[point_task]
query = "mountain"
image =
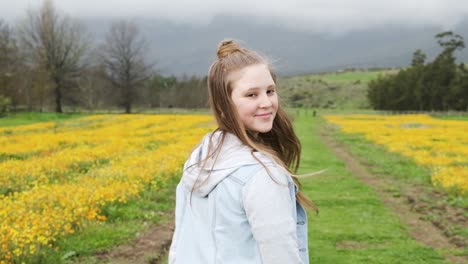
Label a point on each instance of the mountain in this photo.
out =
(188, 49)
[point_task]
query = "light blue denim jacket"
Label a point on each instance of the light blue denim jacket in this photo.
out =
(233, 210)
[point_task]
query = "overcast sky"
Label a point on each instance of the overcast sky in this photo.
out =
(310, 15)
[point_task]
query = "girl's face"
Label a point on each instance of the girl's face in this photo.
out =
(254, 96)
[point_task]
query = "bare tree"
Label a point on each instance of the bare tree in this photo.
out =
(56, 43)
(95, 88)
(8, 47)
(9, 61)
(8, 52)
(123, 57)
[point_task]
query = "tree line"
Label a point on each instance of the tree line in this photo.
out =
(47, 61)
(440, 85)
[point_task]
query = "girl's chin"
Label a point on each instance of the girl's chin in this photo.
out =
(257, 131)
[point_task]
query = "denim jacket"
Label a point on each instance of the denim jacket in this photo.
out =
(233, 210)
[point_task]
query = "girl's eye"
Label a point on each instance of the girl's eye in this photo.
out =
(270, 91)
(250, 95)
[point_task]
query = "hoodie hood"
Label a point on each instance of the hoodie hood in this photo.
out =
(232, 155)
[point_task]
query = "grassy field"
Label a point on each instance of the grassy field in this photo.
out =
(24, 118)
(340, 77)
(353, 226)
(453, 117)
(353, 76)
(445, 208)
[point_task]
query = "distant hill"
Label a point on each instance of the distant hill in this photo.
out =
(340, 90)
(189, 49)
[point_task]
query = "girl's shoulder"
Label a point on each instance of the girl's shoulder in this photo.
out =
(265, 169)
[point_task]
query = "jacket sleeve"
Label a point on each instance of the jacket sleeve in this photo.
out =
(269, 209)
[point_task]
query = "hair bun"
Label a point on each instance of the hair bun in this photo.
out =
(227, 47)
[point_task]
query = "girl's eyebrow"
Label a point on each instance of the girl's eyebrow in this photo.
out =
(252, 89)
(257, 88)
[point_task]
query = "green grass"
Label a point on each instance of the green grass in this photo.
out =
(25, 118)
(453, 117)
(404, 172)
(346, 76)
(398, 167)
(353, 225)
(352, 76)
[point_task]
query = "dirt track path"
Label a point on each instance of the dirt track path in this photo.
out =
(403, 206)
(149, 248)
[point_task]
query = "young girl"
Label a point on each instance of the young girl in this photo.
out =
(237, 201)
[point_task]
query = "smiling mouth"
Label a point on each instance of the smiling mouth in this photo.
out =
(266, 114)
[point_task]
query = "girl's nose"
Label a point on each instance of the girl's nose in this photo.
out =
(265, 101)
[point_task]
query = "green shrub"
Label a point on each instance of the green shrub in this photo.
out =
(4, 104)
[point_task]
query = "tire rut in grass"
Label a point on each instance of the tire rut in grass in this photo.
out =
(149, 248)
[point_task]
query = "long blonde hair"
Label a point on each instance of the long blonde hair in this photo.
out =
(281, 142)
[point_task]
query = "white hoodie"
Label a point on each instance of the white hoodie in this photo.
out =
(237, 212)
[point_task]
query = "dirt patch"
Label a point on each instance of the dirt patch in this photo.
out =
(411, 204)
(149, 248)
(431, 204)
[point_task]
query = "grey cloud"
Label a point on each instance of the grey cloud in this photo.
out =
(311, 15)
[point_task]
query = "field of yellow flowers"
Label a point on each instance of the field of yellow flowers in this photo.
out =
(55, 177)
(441, 145)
